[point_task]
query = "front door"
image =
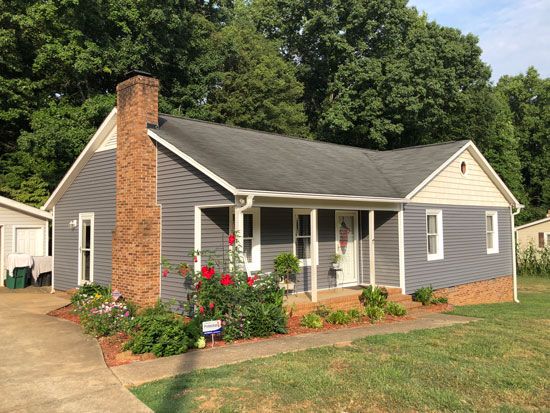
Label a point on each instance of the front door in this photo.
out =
(347, 247)
(86, 248)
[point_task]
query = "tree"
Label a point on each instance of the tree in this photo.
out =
(529, 99)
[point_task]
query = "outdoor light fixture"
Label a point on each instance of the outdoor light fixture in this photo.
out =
(73, 224)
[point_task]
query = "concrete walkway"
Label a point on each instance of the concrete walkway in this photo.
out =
(48, 365)
(150, 370)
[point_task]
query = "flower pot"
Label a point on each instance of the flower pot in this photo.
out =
(336, 266)
(287, 286)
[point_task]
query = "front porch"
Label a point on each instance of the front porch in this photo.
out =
(341, 299)
(366, 235)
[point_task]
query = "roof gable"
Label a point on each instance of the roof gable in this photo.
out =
(530, 224)
(27, 209)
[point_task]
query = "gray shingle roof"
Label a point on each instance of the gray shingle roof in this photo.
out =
(253, 160)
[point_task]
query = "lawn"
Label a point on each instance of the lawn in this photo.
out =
(501, 363)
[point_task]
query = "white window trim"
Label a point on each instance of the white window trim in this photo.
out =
(295, 213)
(439, 222)
(547, 239)
(494, 217)
(256, 263)
(81, 217)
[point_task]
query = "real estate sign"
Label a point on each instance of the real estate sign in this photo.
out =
(211, 327)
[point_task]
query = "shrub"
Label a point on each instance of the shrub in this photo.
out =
(440, 300)
(354, 314)
(395, 309)
(163, 333)
(89, 292)
(374, 313)
(534, 261)
(374, 296)
(338, 317)
(265, 319)
(106, 319)
(312, 320)
(286, 266)
(424, 295)
(322, 310)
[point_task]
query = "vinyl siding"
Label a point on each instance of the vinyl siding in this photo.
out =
(93, 190)
(465, 253)
(180, 187)
(386, 247)
(451, 187)
(10, 218)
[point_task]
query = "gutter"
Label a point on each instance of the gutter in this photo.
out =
(514, 263)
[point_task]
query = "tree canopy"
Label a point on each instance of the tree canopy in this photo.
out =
(375, 74)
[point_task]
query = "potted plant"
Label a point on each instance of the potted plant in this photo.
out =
(337, 262)
(287, 265)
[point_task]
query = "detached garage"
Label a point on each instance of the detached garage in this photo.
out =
(23, 230)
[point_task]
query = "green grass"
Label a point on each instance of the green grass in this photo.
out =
(501, 363)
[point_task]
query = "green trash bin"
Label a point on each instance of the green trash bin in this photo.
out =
(19, 279)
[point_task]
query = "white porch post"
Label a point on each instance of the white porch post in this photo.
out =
(314, 254)
(372, 269)
(198, 232)
(239, 226)
(401, 237)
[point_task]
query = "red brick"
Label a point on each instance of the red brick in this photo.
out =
(496, 290)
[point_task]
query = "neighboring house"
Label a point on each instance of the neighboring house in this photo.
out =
(23, 229)
(149, 186)
(536, 233)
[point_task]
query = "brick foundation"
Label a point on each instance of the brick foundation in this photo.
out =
(136, 238)
(496, 290)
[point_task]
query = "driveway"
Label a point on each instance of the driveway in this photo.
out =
(49, 365)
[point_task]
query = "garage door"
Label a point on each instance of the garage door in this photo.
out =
(29, 241)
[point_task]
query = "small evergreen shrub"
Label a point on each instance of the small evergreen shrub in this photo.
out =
(312, 320)
(354, 314)
(322, 310)
(338, 317)
(424, 295)
(374, 313)
(374, 296)
(395, 309)
(440, 300)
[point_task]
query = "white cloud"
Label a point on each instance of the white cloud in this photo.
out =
(513, 34)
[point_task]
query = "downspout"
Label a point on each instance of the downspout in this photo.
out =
(514, 263)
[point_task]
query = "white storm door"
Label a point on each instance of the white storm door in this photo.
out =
(347, 245)
(85, 248)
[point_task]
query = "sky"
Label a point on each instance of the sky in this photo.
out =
(514, 34)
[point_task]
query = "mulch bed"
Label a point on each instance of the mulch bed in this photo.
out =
(114, 354)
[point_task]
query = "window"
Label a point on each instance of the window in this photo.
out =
(491, 232)
(86, 248)
(302, 236)
(251, 238)
(434, 234)
(547, 239)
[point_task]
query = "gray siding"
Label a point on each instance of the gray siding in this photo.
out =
(465, 254)
(92, 191)
(180, 187)
(276, 235)
(386, 248)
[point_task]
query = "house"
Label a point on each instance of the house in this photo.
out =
(150, 185)
(536, 233)
(23, 229)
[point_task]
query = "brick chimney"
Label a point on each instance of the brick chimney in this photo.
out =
(136, 238)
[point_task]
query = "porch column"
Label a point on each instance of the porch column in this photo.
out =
(401, 239)
(372, 269)
(198, 232)
(239, 226)
(314, 249)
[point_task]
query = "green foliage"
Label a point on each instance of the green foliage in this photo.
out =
(395, 309)
(286, 265)
(322, 310)
(424, 295)
(90, 290)
(312, 320)
(163, 333)
(534, 261)
(374, 296)
(264, 319)
(374, 313)
(354, 314)
(338, 317)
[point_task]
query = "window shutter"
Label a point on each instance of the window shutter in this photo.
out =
(541, 239)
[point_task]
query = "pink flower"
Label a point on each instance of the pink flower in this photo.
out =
(165, 272)
(127, 314)
(250, 281)
(211, 306)
(201, 309)
(226, 280)
(195, 258)
(231, 239)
